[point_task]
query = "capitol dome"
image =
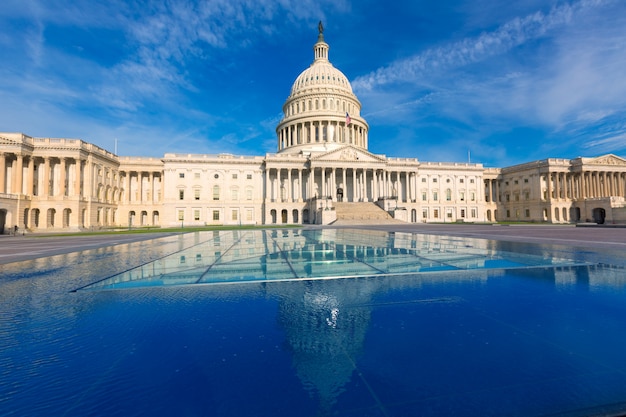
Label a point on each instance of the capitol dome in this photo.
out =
(321, 113)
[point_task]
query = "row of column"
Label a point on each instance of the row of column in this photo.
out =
(568, 186)
(367, 184)
(320, 132)
(29, 182)
(134, 182)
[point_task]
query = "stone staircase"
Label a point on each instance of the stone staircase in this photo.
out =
(361, 213)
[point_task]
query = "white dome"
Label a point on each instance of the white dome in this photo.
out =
(321, 113)
(321, 75)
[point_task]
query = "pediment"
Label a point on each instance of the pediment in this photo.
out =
(609, 159)
(349, 154)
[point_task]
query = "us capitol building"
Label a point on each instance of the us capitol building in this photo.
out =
(322, 173)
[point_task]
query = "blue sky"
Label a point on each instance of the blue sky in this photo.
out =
(504, 82)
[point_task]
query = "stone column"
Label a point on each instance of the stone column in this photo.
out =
(300, 185)
(77, 176)
(3, 173)
(30, 176)
(62, 177)
(151, 187)
(17, 175)
(354, 192)
(45, 186)
(323, 192)
(289, 186)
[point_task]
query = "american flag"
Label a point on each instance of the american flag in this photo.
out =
(348, 119)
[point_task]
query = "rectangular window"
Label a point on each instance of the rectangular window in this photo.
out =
(249, 194)
(436, 213)
(216, 214)
(462, 196)
(434, 179)
(474, 214)
(248, 176)
(234, 176)
(181, 175)
(424, 196)
(181, 194)
(423, 179)
(435, 196)
(196, 175)
(527, 213)
(196, 194)
(462, 213)
(233, 215)
(424, 213)
(196, 215)
(181, 215)
(473, 196)
(249, 214)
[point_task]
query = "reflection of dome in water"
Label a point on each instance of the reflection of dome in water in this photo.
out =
(325, 325)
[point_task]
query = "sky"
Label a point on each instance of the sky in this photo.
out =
(496, 82)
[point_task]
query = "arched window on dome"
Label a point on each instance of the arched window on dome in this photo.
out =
(324, 104)
(317, 104)
(310, 105)
(297, 107)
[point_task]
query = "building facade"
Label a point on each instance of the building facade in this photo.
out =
(322, 172)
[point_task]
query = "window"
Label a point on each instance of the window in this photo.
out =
(435, 196)
(233, 214)
(526, 195)
(473, 196)
(423, 179)
(516, 182)
(461, 180)
(216, 192)
(462, 196)
(181, 194)
(234, 176)
(183, 259)
(472, 181)
(181, 175)
(248, 193)
(249, 214)
(196, 194)
(474, 214)
(448, 181)
(216, 214)
(181, 215)
(424, 213)
(234, 193)
(216, 176)
(196, 215)
(436, 213)
(462, 213)
(525, 180)
(248, 176)
(424, 196)
(434, 179)
(508, 213)
(448, 194)
(527, 213)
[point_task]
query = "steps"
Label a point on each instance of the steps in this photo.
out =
(360, 213)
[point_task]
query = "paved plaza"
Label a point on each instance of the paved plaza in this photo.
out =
(595, 239)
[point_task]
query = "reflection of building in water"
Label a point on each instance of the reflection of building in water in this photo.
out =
(322, 171)
(325, 324)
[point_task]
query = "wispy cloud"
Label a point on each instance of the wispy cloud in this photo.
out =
(467, 51)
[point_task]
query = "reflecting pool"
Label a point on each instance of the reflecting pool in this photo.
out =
(314, 322)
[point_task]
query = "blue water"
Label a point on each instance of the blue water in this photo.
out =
(500, 340)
